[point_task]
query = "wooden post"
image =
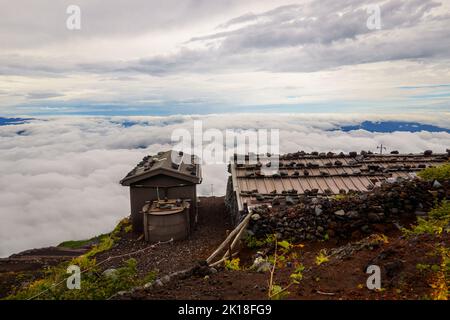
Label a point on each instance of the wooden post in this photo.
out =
(228, 239)
(236, 239)
(229, 245)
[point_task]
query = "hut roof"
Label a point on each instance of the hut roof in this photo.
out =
(171, 163)
(323, 174)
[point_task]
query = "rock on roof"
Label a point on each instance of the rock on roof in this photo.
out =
(323, 173)
(172, 163)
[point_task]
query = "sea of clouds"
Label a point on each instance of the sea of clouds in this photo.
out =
(60, 176)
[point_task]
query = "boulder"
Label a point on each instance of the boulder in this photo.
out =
(110, 273)
(255, 217)
(318, 210)
(261, 265)
(437, 184)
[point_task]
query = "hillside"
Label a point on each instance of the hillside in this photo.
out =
(289, 252)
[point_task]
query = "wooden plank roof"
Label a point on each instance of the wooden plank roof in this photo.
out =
(322, 174)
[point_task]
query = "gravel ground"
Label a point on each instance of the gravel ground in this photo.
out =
(179, 255)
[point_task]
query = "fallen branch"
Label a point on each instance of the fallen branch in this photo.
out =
(222, 260)
(326, 293)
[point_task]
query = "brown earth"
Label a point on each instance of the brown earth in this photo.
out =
(343, 277)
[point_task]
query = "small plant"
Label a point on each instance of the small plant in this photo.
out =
(437, 221)
(232, 264)
(297, 275)
(340, 197)
(252, 242)
(104, 245)
(440, 282)
(278, 292)
(285, 244)
(321, 257)
(150, 277)
(422, 267)
(283, 251)
(378, 239)
(75, 244)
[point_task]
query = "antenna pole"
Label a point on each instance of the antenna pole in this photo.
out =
(381, 147)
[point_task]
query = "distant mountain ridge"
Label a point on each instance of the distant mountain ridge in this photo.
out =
(13, 121)
(392, 126)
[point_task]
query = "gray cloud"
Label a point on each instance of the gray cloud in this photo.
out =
(148, 53)
(25, 24)
(315, 36)
(307, 37)
(43, 95)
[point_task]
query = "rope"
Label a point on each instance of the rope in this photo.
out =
(102, 262)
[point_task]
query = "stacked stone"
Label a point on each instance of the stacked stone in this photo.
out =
(315, 217)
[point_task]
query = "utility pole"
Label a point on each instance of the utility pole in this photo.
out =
(212, 190)
(381, 147)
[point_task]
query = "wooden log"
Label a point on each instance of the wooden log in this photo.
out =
(229, 244)
(236, 239)
(215, 264)
(228, 239)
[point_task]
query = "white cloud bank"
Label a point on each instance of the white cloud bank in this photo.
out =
(60, 176)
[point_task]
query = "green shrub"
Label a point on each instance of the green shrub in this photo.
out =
(437, 221)
(94, 285)
(252, 242)
(436, 173)
(76, 244)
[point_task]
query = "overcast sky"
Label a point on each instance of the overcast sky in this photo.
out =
(198, 56)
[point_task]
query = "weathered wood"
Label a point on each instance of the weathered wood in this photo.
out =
(236, 239)
(228, 239)
(215, 264)
(326, 293)
(229, 245)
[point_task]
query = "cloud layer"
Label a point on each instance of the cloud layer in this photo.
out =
(60, 175)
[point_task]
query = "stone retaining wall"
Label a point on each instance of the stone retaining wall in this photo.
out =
(350, 215)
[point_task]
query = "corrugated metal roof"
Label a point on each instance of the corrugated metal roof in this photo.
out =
(322, 173)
